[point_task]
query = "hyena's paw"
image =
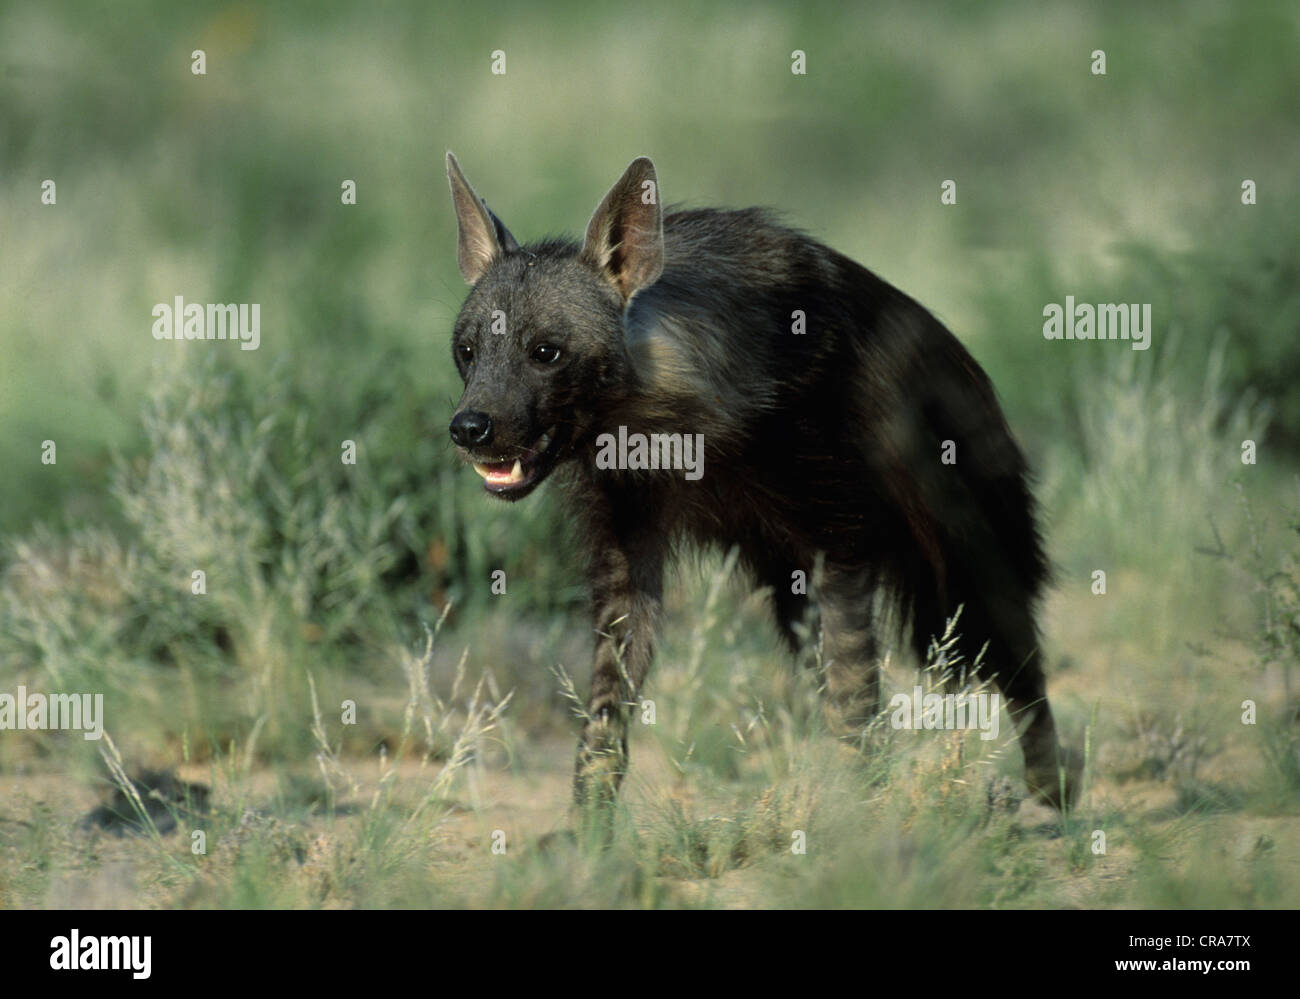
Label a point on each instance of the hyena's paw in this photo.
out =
(602, 762)
(596, 780)
(1054, 777)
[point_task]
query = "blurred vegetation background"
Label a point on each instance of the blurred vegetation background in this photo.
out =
(225, 187)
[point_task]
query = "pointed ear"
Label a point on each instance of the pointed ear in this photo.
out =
(625, 237)
(480, 236)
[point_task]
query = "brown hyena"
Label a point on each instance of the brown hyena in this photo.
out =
(809, 405)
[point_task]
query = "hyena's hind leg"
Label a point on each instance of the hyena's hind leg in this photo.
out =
(1013, 661)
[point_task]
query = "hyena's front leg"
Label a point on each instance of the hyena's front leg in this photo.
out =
(849, 653)
(626, 589)
(851, 668)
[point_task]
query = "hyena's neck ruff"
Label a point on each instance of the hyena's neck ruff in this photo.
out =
(842, 426)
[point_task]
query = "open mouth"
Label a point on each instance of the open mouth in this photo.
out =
(514, 476)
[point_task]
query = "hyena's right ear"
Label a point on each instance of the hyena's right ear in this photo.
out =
(480, 236)
(625, 237)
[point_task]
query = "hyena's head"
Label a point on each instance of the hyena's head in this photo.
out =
(539, 342)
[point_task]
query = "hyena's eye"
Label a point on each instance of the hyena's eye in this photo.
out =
(465, 352)
(545, 353)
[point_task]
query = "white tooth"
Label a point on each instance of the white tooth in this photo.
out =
(481, 469)
(517, 473)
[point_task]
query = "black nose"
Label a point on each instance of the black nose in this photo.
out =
(471, 429)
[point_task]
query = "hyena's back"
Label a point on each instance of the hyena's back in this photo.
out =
(833, 440)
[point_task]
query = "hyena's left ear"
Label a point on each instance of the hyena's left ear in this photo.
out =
(625, 237)
(481, 238)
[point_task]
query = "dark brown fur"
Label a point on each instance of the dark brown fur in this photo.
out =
(820, 445)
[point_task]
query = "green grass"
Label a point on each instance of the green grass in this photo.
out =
(323, 579)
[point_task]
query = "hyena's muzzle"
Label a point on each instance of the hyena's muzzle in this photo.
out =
(512, 454)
